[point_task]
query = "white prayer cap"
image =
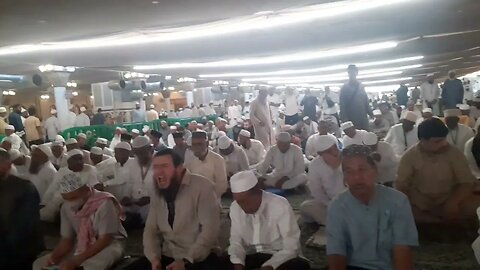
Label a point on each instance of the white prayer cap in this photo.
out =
(53, 111)
(284, 137)
(463, 107)
(324, 142)
(135, 131)
(347, 124)
(74, 152)
(118, 128)
(82, 109)
(57, 143)
(224, 142)
(419, 103)
(140, 142)
(402, 107)
(82, 135)
(177, 124)
(3, 110)
(243, 181)
(96, 151)
(145, 129)
(370, 139)
(45, 148)
(152, 106)
(411, 116)
(70, 182)
(102, 141)
(123, 145)
(221, 134)
(245, 133)
(14, 154)
(427, 110)
(23, 110)
(59, 138)
(452, 112)
(377, 112)
(173, 127)
(305, 118)
(9, 127)
(70, 141)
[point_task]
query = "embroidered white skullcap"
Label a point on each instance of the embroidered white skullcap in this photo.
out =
(245, 133)
(102, 141)
(452, 112)
(305, 118)
(221, 134)
(70, 182)
(463, 107)
(377, 112)
(347, 124)
(135, 131)
(74, 152)
(284, 137)
(370, 139)
(3, 110)
(70, 141)
(324, 142)
(59, 138)
(224, 142)
(140, 142)
(427, 110)
(96, 151)
(53, 111)
(145, 129)
(45, 148)
(152, 106)
(123, 145)
(9, 127)
(14, 154)
(82, 135)
(411, 116)
(82, 109)
(243, 181)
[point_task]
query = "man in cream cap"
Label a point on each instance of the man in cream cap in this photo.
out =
(427, 113)
(82, 141)
(135, 133)
(465, 118)
(379, 125)
(264, 232)
(352, 134)
(59, 157)
(403, 135)
(72, 143)
(82, 120)
(84, 211)
(253, 148)
(97, 155)
(52, 126)
(309, 127)
(384, 157)
(41, 171)
(325, 179)
(152, 114)
(235, 158)
(288, 165)
(102, 143)
(458, 134)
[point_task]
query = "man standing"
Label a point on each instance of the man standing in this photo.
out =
(404, 135)
(354, 101)
(15, 118)
(458, 134)
(207, 163)
(291, 106)
(274, 101)
(261, 119)
(98, 118)
(183, 223)
(20, 233)
(138, 115)
(235, 158)
(152, 114)
(52, 126)
(352, 134)
(234, 112)
(379, 126)
(415, 94)
(402, 95)
(287, 162)
(366, 208)
(33, 128)
(253, 148)
(452, 91)
(309, 103)
(264, 233)
(165, 130)
(82, 120)
(72, 116)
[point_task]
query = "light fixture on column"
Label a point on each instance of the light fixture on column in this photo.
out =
(74, 93)
(45, 97)
(72, 84)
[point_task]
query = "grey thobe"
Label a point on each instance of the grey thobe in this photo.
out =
(354, 105)
(260, 113)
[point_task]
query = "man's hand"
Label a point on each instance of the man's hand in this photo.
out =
(176, 265)
(156, 264)
(280, 182)
(377, 157)
(143, 201)
(451, 212)
(68, 265)
(126, 201)
(267, 267)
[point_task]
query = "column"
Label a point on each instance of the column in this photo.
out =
(59, 81)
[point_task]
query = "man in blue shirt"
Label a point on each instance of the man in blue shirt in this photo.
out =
(369, 226)
(452, 91)
(15, 118)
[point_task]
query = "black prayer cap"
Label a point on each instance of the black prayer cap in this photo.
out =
(432, 128)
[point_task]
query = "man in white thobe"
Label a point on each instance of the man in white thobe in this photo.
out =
(21, 163)
(253, 148)
(379, 125)
(15, 140)
(72, 116)
(352, 135)
(261, 120)
(325, 180)
(274, 101)
(309, 127)
(41, 171)
(287, 162)
(384, 157)
(59, 157)
(138, 115)
(152, 114)
(234, 112)
(458, 134)
(116, 138)
(235, 158)
(82, 120)
(97, 155)
(430, 94)
(404, 135)
(264, 232)
(102, 144)
(411, 108)
(311, 145)
(52, 126)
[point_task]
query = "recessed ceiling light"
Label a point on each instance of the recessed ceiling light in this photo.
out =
(155, 2)
(41, 21)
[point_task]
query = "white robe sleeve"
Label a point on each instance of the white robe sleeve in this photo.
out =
(236, 249)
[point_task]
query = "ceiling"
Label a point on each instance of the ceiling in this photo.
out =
(446, 32)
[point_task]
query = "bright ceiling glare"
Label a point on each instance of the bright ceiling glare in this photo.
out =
(387, 81)
(252, 22)
(311, 70)
(276, 59)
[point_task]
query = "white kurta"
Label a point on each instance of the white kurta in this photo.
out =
(396, 138)
(259, 113)
(52, 127)
(113, 176)
(22, 170)
(387, 167)
(60, 161)
(212, 167)
(471, 159)
(17, 143)
(430, 92)
(82, 120)
(256, 153)
(275, 99)
(310, 129)
(357, 139)
(151, 115)
(416, 111)
(115, 140)
(459, 136)
(235, 162)
(109, 152)
(43, 179)
(234, 114)
(310, 146)
(324, 182)
(71, 119)
(273, 229)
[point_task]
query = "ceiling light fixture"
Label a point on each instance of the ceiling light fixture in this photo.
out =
(229, 26)
(311, 70)
(387, 81)
(74, 93)
(333, 79)
(276, 59)
(54, 68)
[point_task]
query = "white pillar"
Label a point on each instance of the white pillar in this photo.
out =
(62, 105)
(168, 105)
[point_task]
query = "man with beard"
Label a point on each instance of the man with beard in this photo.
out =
(366, 208)
(235, 158)
(102, 144)
(82, 141)
(116, 138)
(436, 178)
(165, 131)
(15, 140)
(72, 144)
(41, 171)
(253, 148)
(58, 158)
(20, 234)
(97, 155)
(402, 136)
(183, 223)
(261, 119)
